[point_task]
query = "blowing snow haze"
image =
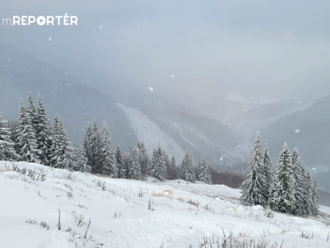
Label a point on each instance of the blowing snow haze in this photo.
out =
(202, 76)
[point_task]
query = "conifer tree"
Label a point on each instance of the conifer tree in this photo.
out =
(299, 181)
(255, 187)
(61, 152)
(267, 170)
(282, 193)
(143, 158)
(134, 168)
(81, 160)
(87, 145)
(108, 160)
(158, 168)
(310, 206)
(172, 169)
(96, 150)
(120, 164)
(187, 168)
(26, 144)
(7, 146)
(32, 112)
(315, 197)
(43, 133)
(204, 173)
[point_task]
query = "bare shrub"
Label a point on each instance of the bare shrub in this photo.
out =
(44, 225)
(231, 241)
(117, 214)
(32, 222)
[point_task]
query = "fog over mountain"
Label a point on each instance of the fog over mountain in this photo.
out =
(260, 49)
(202, 76)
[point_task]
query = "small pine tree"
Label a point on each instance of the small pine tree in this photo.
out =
(143, 158)
(299, 181)
(81, 160)
(61, 152)
(87, 145)
(282, 193)
(310, 207)
(267, 170)
(96, 150)
(204, 173)
(134, 168)
(158, 167)
(33, 113)
(315, 197)
(26, 144)
(187, 168)
(109, 160)
(120, 164)
(172, 169)
(7, 146)
(43, 133)
(255, 187)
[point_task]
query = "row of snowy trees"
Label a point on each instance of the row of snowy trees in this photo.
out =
(287, 188)
(33, 139)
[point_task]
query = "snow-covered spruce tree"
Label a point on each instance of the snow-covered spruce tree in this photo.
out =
(299, 181)
(315, 197)
(158, 168)
(61, 152)
(143, 158)
(87, 145)
(108, 161)
(204, 173)
(309, 194)
(96, 150)
(7, 146)
(167, 164)
(255, 187)
(43, 133)
(134, 168)
(81, 160)
(33, 112)
(187, 168)
(120, 164)
(25, 138)
(267, 169)
(282, 191)
(172, 170)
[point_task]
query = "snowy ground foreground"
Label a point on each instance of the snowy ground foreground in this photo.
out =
(179, 216)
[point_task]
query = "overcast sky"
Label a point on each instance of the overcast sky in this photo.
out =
(257, 48)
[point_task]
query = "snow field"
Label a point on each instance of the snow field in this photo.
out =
(130, 213)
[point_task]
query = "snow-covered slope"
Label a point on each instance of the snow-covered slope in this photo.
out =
(148, 132)
(129, 213)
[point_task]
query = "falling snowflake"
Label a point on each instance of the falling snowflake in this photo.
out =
(151, 89)
(313, 169)
(172, 75)
(297, 131)
(50, 39)
(101, 26)
(221, 158)
(226, 29)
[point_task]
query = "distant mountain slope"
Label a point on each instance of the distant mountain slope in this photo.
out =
(62, 94)
(176, 127)
(258, 117)
(307, 129)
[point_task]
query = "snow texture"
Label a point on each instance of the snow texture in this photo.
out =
(180, 214)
